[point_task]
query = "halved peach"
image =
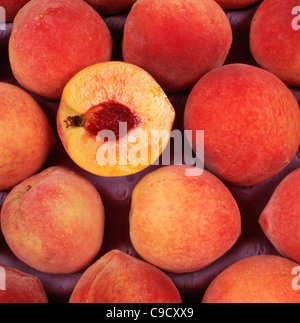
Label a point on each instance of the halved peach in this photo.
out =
(114, 119)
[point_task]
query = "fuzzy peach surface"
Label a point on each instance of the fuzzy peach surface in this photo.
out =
(26, 136)
(120, 278)
(280, 220)
(274, 42)
(257, 279)
(54, 221)
(44, 54)
(176, 41)
(251, 122)
(21, 288)
(182, 223)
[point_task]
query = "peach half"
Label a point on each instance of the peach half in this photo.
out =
(114, 119)
(54, 221)
(120, 278)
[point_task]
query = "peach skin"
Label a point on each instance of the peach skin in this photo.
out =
(26, 136)
(251, 122)
(52, 40)
(275, 39)
(20, 288)
(176, 41)
(280, 220)
(257, 279)
(182, 223)
(120, 278)
(102, 99)
(54, 221)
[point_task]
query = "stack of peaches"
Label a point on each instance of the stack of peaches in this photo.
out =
(92, 94)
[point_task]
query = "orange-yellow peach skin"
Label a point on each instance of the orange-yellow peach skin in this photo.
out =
(120, 278)
(182, 223)
(235, 4)
(12, 7)
(21, 288)
(176, 41)
(275, 39)
(280, 220)
(251, 122)
(26, 136)
(96, 100)
(111, 7)
(52, 40)
(257, 279)
(54, 221)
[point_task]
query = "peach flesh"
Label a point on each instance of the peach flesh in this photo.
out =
(106, 116)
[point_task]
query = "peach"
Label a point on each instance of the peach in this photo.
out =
(12, 7)
(275, 39)
(111, 7)
(101, 100)
(280, 220)
(182, 223)
(26, 136)
(235, 4)
(20, 288)
(251, 122)
(52, 40)
(120, 278)
(54, 221)
(257, 279)
(176, 41)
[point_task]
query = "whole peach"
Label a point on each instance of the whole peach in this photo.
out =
(19, 287)
(26, 136)
(52, 40)
(251, 122)
(111, 7)
(120, 278)
(182, 223)
(54, 221)
(12, 7)
(176, 41)
(257, 279)
(280, 219)
(275, 39)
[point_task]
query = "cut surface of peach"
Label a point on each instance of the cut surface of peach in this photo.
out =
(114, 119)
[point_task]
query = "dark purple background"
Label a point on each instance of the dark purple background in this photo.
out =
(116, 192)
